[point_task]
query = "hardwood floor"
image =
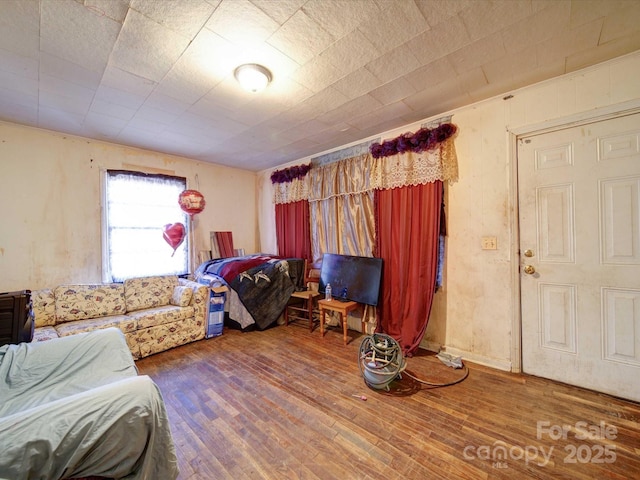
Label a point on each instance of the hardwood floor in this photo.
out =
(284, 404)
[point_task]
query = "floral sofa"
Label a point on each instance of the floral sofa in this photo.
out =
(154, 313)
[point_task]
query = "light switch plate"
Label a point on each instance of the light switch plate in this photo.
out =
(489, 243)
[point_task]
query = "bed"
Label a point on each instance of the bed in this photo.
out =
(76, 407)
(260, 286)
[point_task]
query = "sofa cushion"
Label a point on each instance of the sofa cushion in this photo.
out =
(125, 323)
(152, 317)
(43, 304)
(148, 292)
(162, 337)
(181, 296)
(77, 302)
(40, 334)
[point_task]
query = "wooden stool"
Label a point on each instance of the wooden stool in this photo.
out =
(343, 308)
(304, 312)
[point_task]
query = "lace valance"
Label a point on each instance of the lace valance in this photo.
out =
(365, 172)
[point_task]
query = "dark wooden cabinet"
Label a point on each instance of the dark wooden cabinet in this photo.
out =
(16, 317)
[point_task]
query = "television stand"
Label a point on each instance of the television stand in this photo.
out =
(342, 307)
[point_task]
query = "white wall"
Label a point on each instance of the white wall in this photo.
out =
(474, 312)
(50, 212)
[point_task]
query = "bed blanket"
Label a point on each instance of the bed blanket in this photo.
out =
(262, 283)
(75, 407)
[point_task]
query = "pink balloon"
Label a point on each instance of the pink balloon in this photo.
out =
(174, 235)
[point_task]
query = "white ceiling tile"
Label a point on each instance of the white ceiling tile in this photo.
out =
(537, 28)
(348, 110)
(477, 53)
(334, 63)
(11, 100)
(351, 52)
(431, 74)
(110, 109)
(439, 41)
(119, 97)
(20, 27)
(148, 125)
(280, 65)
(89, 46)
(482, 19)
(285, 92)
(113, 9)
(229, 95)
(59, 120)
(146, 48)
(603, 52)
(148, 112)
(439, 11)
(211, 111)
(438, 96)
(185, 18)
(208, 59)
(241, 22)
(321, 102)
(74, 105)
(394, 64)
(119, 79)
(341, 17)
(317, 74)
(621, 22)
(357, 83)
(587, 11)
(71, 72)
(565, 43)
(472, 80)
(64, 88)
(19, 85)
(165, 103)
(378, 120)
(509, 65)
(11, 62)
(393, 91)
(400, 23)
(104, 125)
(281, 10)
(301, 38)
(18, 109)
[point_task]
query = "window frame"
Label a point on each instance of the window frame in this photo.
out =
(107, 274)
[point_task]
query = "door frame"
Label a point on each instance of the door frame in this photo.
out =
(582, 118)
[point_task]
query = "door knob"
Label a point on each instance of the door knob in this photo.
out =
(529, 269)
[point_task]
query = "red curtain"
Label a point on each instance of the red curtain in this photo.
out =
(408, 227)
(292, 229)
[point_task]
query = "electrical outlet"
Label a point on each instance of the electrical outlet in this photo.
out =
(489, 243)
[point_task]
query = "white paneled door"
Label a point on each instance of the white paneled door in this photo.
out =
(579, 194)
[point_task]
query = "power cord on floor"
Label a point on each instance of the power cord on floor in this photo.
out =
(465, 375)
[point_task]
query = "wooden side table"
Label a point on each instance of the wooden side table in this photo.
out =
(343, 308)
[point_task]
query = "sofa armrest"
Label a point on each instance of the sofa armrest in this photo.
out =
(199, 299)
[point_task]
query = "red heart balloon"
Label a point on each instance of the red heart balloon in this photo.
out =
(174, 235)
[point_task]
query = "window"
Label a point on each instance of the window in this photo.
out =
(137, 207)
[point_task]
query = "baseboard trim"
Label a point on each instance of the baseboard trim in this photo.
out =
(504, 365)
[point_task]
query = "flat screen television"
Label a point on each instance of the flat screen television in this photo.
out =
(351, 278)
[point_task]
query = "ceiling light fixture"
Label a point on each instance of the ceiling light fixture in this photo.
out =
(252, 77)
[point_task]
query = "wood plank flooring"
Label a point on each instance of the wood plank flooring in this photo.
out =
(284, 404)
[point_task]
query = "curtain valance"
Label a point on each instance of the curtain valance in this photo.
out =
(380, 169)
